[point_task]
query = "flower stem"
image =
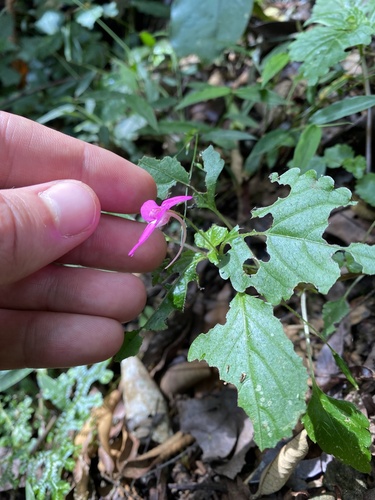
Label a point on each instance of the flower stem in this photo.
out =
(306, 329)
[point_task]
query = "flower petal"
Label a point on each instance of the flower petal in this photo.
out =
(149, 229)
(150, 210)
(171, 202)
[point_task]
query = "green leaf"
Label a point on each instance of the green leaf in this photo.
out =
(209, 92)
(252, 352)
(207, 28)
(356, 166)
(318, 164)
(307, 146)
(152, 7)
(343, 367)
(175, 296)
(88, 16)
(255, 93)
(140, 106)
(166, 173)
(226, 139)
(336, 155)
(63, 110)
(50, 22)
(231, 264)
(8, 378)
(334, 13)
(345, 25)
(365, 188)
(6, 30)
(340, 429)
(130, 346)
(273, 66)
(345, 259)
(211, 239)
(269, 142)
(298, 253)
(364, 255)
(213, 165)
(333, 312)
(343, 108)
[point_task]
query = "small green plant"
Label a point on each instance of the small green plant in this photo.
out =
(251, 350)
(81, 68)
(36, 461)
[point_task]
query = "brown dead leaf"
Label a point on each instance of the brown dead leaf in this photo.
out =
(104, 416)
(181, 377)
(325, 366)
(99, 422)
(140, 465)
(236, 165)
(219, 308)
(220, 428)
(348, 227)
(277, 473)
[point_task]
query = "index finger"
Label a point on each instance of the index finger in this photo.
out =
(31, 153)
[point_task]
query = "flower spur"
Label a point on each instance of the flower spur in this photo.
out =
(157, 216)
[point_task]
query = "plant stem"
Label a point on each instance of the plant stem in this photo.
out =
(306, 329)
(366, 84)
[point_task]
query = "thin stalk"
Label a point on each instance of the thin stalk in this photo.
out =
(350, 288)
(306, 330)
(223, 219)
(106, 28)
(368, 232)
(366, 84)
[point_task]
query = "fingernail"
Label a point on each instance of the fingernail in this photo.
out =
(72, 206)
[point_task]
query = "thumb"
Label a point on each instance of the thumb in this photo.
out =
(39, 224)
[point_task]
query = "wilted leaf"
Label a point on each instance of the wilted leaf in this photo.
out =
(277, 473)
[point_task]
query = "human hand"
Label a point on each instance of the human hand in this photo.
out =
(52, 315)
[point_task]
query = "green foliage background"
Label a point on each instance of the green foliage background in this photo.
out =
(121, 75)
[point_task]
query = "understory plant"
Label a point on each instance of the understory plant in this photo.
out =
(36, 443)
(251, 350)
(83, 68)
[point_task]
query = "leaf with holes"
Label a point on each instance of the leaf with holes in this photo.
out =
(231, 264)
(298, 253)
(251, 351)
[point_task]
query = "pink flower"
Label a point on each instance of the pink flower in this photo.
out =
(158, 216)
